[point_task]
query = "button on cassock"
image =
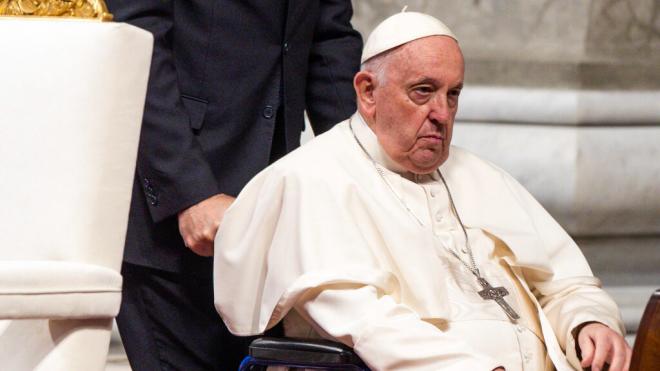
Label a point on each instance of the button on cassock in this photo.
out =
(268, 112)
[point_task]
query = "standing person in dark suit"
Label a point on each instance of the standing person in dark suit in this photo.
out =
(228, 86)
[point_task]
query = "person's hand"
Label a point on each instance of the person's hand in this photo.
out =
(599, 345)
(199, 223)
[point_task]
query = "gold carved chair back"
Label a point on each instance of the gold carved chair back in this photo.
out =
(92, 9)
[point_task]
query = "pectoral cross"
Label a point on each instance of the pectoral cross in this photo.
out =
(497, 293)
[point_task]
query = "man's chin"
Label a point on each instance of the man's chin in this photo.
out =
(426, 161)
(425, 167)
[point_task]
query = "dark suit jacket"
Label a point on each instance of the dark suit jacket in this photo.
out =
(220, 72)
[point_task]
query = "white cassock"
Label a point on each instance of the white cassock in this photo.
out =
(320, 240)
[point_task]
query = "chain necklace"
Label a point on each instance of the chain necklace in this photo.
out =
(489, 292)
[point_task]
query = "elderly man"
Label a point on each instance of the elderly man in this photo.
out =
(419, 255)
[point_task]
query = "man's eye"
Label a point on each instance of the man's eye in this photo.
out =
(455, 93)
(421, 94)
(424, 90)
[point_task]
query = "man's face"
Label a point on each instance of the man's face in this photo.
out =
(413, 110)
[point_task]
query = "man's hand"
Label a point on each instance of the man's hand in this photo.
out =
(199, 223)
(599, 344)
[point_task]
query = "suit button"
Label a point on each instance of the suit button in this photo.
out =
(285, 48)
(268, 112)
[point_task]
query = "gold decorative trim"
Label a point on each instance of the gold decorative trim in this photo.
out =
(56, 8)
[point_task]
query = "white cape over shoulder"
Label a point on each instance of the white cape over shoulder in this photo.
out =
(319, 216)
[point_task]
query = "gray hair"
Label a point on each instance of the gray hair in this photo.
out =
(379, 64)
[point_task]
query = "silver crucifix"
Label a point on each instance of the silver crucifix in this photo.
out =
(497, 293)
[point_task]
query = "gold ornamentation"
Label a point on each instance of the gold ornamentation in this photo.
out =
(56, 8)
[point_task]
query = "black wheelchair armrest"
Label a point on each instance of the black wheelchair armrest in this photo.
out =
(304, 351)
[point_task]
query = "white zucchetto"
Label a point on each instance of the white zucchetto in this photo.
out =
(402, 28)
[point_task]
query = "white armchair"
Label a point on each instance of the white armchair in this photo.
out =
(71, 100)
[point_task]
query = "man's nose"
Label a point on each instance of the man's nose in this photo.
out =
(439, 112)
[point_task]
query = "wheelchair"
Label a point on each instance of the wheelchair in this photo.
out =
(300, 353)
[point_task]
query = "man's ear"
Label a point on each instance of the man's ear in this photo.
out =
(365, 85)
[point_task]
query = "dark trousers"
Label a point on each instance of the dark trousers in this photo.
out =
(168, 322)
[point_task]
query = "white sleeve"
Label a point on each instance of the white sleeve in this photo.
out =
(385, 334)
